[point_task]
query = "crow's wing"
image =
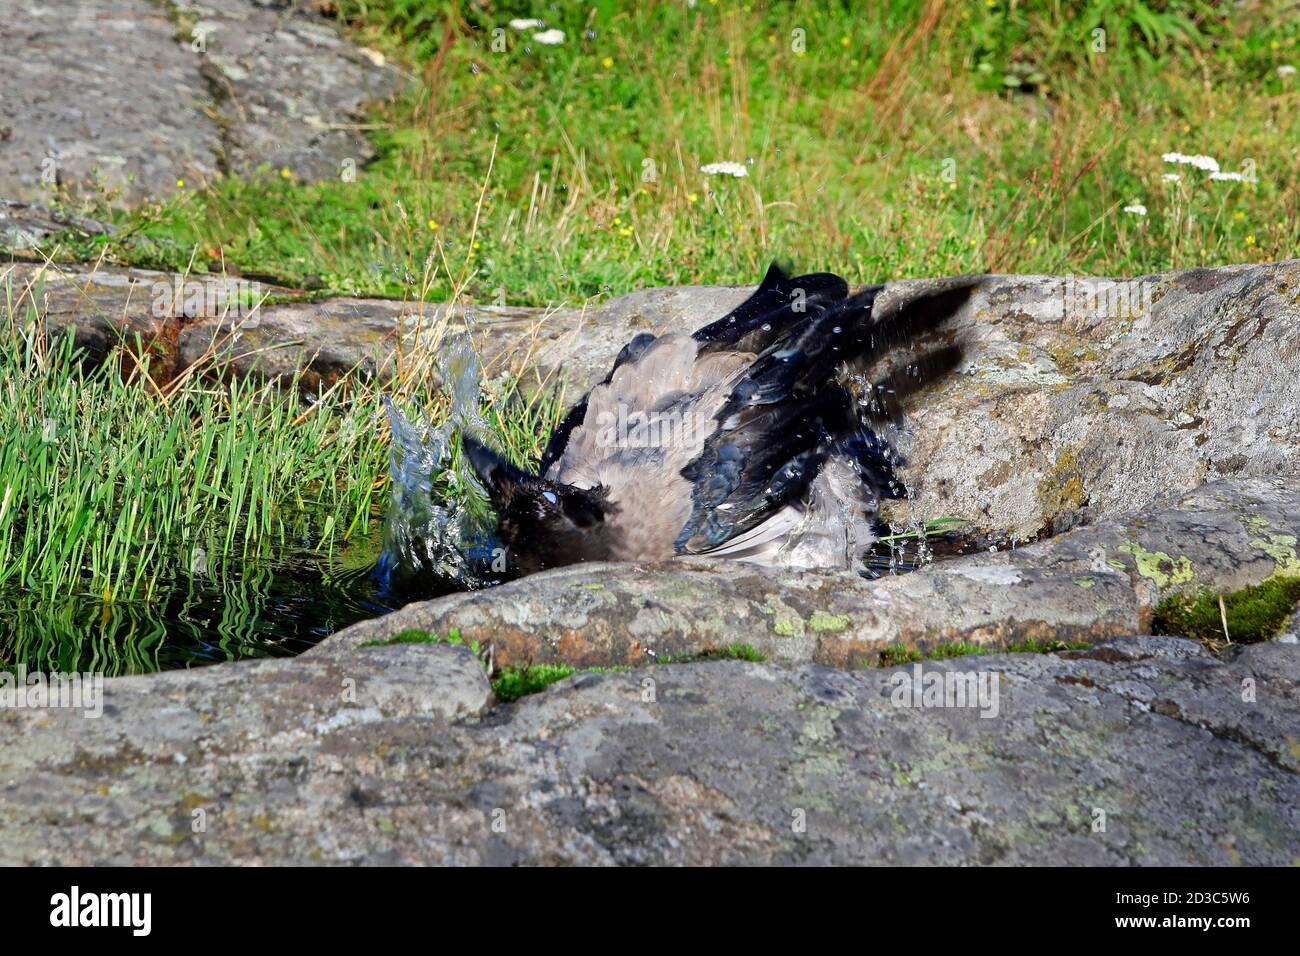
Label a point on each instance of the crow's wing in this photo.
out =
(767, 316)
(778, 303)
(787, 418)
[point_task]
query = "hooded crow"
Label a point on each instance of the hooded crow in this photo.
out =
(746, 440)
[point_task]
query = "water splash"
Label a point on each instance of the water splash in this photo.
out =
(438, 527)
(909, 544)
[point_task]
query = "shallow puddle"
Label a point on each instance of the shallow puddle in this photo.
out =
(262, 609)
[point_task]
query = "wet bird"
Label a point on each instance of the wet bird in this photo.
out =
(747, 440)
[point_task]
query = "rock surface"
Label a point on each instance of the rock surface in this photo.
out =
(275, 331)
(64, 119)
(24, 224)
(1083, 399)
(289, 89)
(1138, 751)
(123, 98)
(1101, 581)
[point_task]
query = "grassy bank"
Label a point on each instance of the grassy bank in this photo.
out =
(880, 140)
(120, 490)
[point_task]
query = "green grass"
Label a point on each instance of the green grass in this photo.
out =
(517, 681)
(103, 485)
(115, 483)
(728, 652)
(907, 138)
(416, 636)
(894, 656)
(1255, 613)
(733, 652)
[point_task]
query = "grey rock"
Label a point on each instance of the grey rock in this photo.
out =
(1089, 584)
(101, 96)
(1138, 751)
(599, 615)
(272, 331)
(24, 224)
(1291, 632)
(290, 90)
(1083, 399)
(123, 98)
(328, 338)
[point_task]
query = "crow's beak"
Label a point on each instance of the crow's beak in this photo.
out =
(499, 477)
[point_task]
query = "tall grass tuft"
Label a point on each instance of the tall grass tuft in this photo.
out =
(116, 486)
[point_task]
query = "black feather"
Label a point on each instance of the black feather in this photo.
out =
(778, 303)
(559, 439)
(807, 356)
(788, 415)
(764, 461)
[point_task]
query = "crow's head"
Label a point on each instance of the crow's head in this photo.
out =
(541, 523)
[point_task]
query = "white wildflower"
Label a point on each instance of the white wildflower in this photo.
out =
(1286, 69)
(526, 24)
(1207, 163)
(1172, 177)
(1231, 177)
(550, 37)
(1136, 209)
(730, 169)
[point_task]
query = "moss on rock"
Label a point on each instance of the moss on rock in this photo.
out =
(1255, 613)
